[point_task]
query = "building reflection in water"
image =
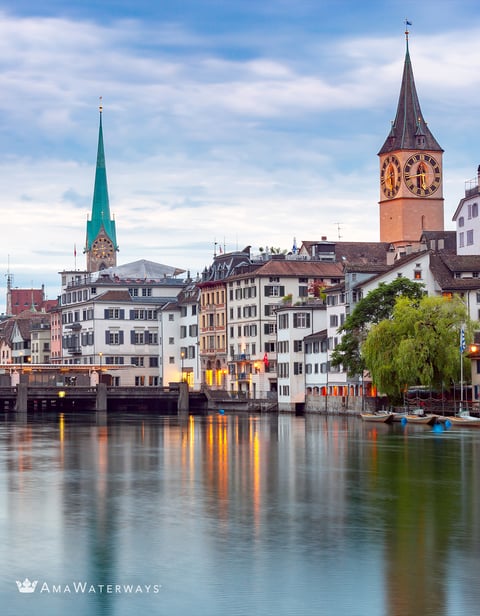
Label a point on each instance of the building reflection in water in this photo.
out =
(315, 507)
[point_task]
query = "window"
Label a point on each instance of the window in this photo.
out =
(334, 320)
(136, 361)
(114, 313)
(474, 210)
(461, 240)
(470, 237)
(153, 361)
(297, 367)
(283, 321)
(171, 316)
(146, 292)
(171, 340)
(417, 274)
(138, 337)
(270, 328)
(301, 319)
(274, 291)
(114, 337)
(114, 360)
(297, 346)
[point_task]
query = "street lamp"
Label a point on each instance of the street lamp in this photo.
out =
(182, 357)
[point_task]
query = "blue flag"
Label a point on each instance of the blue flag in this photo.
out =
(462, 340)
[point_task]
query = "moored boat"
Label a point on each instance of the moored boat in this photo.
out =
(427, 420)
(464, 419)
(377, 417)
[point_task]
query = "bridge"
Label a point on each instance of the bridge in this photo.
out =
(177, 398)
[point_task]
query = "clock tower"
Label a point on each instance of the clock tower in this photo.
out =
(101, 242)
(411, 187)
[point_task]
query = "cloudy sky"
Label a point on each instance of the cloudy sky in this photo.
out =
(237, 121)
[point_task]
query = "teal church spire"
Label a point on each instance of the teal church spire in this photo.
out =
(100, 222)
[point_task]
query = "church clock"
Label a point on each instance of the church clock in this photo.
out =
(422, 174)
(102, 248)
(390, 176)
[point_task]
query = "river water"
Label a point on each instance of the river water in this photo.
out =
(237, 515)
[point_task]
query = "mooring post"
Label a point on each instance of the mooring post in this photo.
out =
(21, 403)
(183, 405)
(101, 401)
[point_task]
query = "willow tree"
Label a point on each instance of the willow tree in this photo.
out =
(418, 345)
(373, 308)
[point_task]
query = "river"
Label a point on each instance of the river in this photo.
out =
(261, 515)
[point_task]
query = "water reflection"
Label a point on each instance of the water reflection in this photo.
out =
(237, 514)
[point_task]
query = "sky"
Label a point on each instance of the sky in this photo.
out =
(231, 121)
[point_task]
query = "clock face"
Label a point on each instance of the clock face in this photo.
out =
(390, 176)
(422, 174)
(102, 248)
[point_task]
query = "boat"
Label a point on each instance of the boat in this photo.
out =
(377, 417)
(426, 420)
(464, 419)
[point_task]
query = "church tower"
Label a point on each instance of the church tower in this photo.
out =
(101, 243)
(411, 186)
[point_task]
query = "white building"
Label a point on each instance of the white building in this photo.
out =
(111, 318)
(294, 324)
(180, 343)
(467, 219)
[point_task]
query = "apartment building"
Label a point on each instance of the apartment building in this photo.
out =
(253, 298)
(111, 318)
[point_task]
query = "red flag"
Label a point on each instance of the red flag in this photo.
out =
(74, 250)
(265, 360)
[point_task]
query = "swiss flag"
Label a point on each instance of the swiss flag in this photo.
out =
(265, 360)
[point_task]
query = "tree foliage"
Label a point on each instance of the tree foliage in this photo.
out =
(377, 306)
(418, 345)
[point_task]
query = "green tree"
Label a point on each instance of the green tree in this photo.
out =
(418, 345)
(373, 308)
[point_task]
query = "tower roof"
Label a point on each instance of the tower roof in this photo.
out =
(409, 130)
(100, 217)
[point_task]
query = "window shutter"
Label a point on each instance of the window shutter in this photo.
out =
(132, 336)
(105, 313)
(268, 291)
(282, 290)
(107, 337)
(132, 315)
(120, 337)
(122, 313)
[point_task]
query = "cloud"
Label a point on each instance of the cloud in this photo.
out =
(205, 141)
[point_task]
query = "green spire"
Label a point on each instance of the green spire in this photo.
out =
(100, 218)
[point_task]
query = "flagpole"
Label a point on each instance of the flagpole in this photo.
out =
(462, 349)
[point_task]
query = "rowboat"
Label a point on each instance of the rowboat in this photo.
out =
(377, 417)
(464, 419)
(426, 420)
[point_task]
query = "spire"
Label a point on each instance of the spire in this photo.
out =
(409, 130)
(100, 207)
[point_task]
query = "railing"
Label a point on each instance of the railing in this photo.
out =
(241, 357)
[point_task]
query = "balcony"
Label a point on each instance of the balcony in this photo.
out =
(241, 357)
